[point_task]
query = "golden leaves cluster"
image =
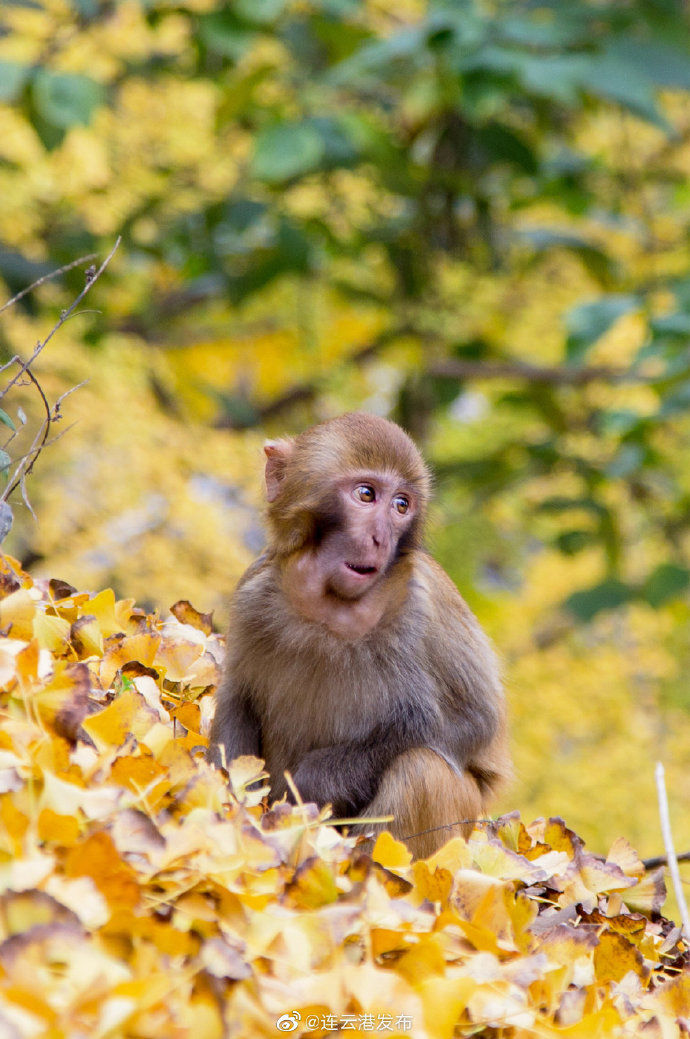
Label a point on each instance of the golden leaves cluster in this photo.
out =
(141, 895)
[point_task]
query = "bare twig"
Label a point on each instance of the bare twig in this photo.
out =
(28, 460)
(670, 851)
(26, 463)
(46, 424)
(662, 860)
(46, 277)
(23, 365)
(450, 826)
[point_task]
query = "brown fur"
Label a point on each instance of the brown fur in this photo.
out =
(426, 795)
(381, 701)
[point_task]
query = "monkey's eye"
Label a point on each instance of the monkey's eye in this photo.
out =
(401, 503)
(364, 493)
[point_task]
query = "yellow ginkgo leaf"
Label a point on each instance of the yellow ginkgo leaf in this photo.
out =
(391, 853)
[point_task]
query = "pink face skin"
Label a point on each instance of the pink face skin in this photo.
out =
(339, 583)
(377, 509)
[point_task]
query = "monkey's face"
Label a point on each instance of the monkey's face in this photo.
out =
(372, 517)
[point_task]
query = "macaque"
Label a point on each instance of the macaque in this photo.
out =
(352, 661)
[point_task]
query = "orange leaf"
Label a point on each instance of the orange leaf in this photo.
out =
(127, 714)
(86, 636)
(313, 885)
(390, 853)
(186, 614)
(98, 858)
(435, 886)
(63, 830)
(614, 956)
(125, 649)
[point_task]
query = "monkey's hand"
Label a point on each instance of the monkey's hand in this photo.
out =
(341, 775)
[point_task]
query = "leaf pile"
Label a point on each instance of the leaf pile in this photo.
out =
(139, 898)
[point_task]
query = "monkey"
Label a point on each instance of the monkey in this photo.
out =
(352, 661)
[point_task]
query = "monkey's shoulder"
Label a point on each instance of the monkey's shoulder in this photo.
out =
(258, 567)
(444, 604)
(454, 638)
(258, 591)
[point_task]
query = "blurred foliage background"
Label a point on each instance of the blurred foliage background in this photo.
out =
(473, 217)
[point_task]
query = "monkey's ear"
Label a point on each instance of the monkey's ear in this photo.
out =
(278, 454)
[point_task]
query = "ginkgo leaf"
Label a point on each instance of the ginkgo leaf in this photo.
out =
(17, 613)
(183, 902)
(128, 714)
(186, 614)
(97, 857)
(391, 853)
(86, 636)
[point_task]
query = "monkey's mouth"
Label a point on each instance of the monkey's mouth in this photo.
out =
(363, 571)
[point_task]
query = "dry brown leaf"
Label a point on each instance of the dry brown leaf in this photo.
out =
(186, 614)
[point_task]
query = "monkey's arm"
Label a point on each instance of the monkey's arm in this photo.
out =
(467, 672)
(235, 725)
(347, 774)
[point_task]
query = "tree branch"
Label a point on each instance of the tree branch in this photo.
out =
(552, 375)
(452, 368)
(302, 393)
(662, 860)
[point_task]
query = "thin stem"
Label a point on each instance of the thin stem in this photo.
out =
(670, 850)
(47, 277)
(24, 365)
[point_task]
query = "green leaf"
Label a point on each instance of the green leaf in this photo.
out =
(664, 65)
(594, 259)
(562, 504)
(614, 79)
(668, 581)
(336, 140)
(4, 417)
(13, 76)
(530, 32)
(677, 324)
(618, 422)
(5, 463)
(676, 402)
(609, 75)
(86, 8)
(373, 59)
(608, 595)
(287, 150)
(570, 542)
(237, 412)
(289, 251)
(628, 460)
(225, 34)
(503, 144)
(558, 76)
(588, 322)
(66, 99)
(263, 12)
